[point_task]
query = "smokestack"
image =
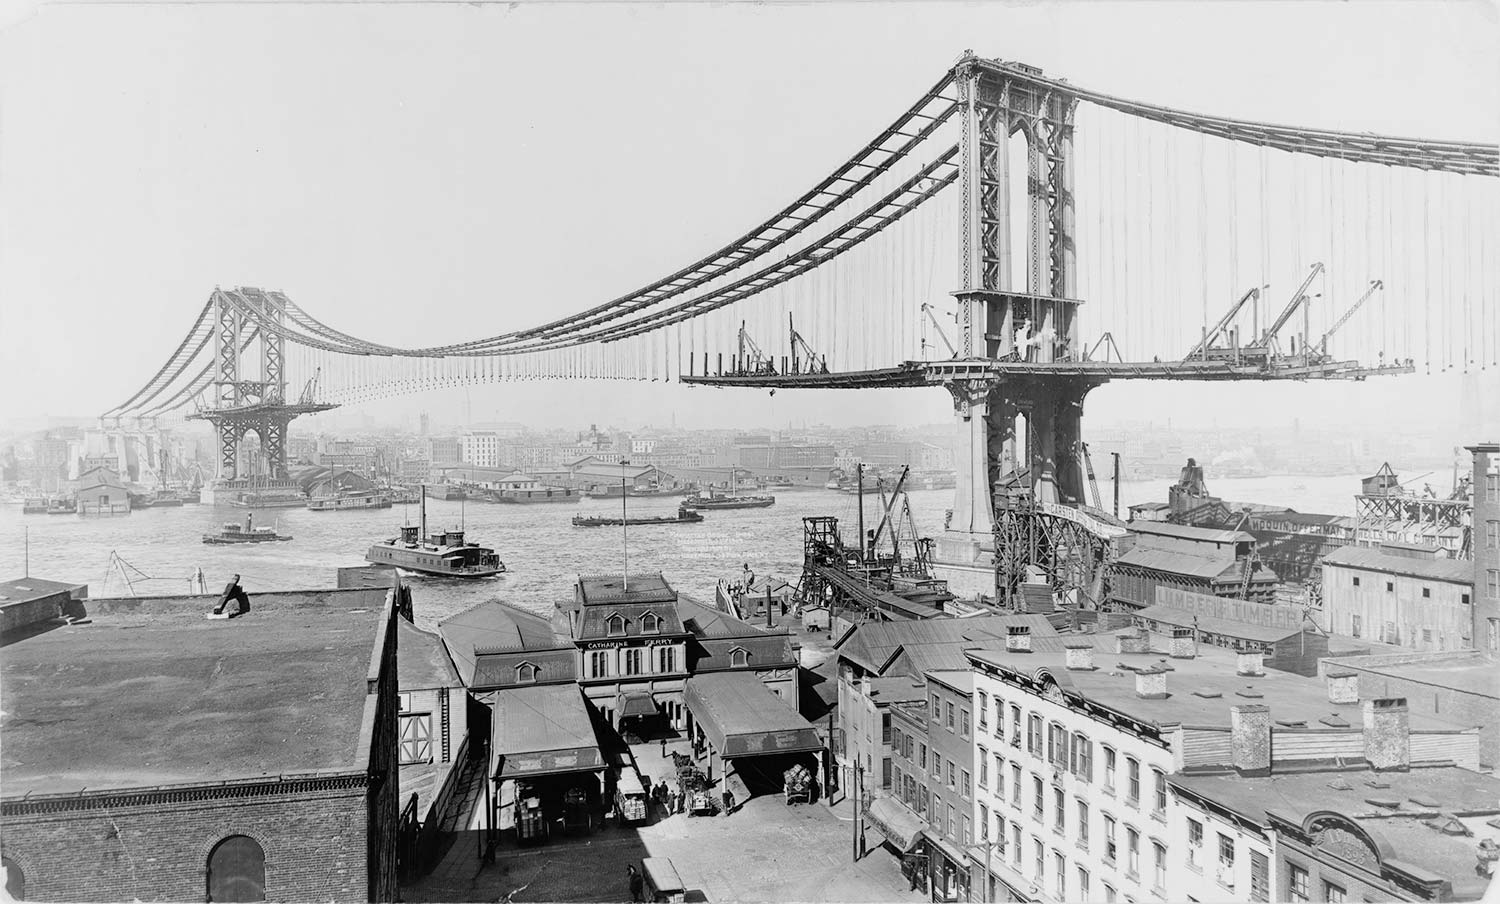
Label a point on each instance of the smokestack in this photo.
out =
(1132, 640)
(1343, 686)
(1080, 655)
(1387, 733)
(1018, 639)
(1250, 738)
(1184, 644)
(1151, 684)
(1249, 664)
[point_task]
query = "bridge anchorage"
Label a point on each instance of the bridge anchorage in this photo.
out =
(239, 318)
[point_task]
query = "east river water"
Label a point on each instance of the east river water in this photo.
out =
(542, 550)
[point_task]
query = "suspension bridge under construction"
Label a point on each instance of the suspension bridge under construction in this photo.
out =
(1010, 237)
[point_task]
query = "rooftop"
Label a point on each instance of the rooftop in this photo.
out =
(150, 692)
(21, 590)
(1177, 561)
(741, 715)
(1200, 690)
(938, 642)
(495, 626)
(612, 588)
(1228, 627)
(543, 729)
(1455, 670)
(421, 659)
(1406, 832)
(1455, 571)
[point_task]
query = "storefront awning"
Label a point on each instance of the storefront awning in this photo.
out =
(947, 849)
(896, 821)
(634, 703)
(542, 730)
(742, 717)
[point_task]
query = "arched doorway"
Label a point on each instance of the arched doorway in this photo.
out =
(237, 870)
(15, 879)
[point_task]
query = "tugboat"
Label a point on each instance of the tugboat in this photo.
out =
(62, 506)
(684, 516)
(444, 553)
(233, 533)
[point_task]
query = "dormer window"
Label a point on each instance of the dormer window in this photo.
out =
(616, 625)
(738, 658)
(525, 673)
(650, 623)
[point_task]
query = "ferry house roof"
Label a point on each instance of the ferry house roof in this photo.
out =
(1200, 690)
(497, 627)
(150, 692)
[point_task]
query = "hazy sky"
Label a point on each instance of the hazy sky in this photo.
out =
(431, 172)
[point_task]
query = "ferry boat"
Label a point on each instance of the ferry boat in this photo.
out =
(612, 491)
(445, 553)
(534, 495)
(714, 500)
(257, 500)
(684, 516)
(34, 507)
(62, 506)
(345, 501)
(233, 533)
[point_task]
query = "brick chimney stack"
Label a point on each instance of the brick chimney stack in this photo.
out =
(1249, 664)
(1151, 684)
(1184, 644)
(1080, 655)
(1343, 686)
(1250, 738)
(1387, 733)
(1018, 639)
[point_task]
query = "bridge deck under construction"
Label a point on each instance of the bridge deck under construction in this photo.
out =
(927, 373)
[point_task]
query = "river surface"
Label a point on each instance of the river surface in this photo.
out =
(159, 548)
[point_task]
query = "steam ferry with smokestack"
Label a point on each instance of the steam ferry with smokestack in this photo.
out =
(442, 553)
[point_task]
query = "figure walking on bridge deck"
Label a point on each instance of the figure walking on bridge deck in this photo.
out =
(233, 591)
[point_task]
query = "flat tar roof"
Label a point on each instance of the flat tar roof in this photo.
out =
(23, 589)
(1471, 674)
(150, 692)
(543, 729)
(741, 716)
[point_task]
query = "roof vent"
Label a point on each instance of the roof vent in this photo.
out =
(1207, 694)
(1339, 784)
(1387, 803)
(1334, 720)
(1249, 692)
(1291, 723)
(1427, 802)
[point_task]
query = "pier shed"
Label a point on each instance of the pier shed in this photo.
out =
(545, 762)
(755, 736)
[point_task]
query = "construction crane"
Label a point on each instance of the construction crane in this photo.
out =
(1300, 298)
(310, 391)
(750, 358)
(1088, 466)
(1375, 285)
(816, 364)
(885, 518)
(927, 309)
(1213, 335)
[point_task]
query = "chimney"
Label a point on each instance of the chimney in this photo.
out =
(1387, 733)
(1131, 640)
(1249, 664)
(1184, 644)
(1151, 684)
(1080, 655)
(1018, 639)
(1343, 686)
(1250, 738)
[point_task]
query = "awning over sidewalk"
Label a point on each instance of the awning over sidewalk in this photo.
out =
(946, 848)
(896, 821)
(742, 717)
(542, 730)
(634, 703)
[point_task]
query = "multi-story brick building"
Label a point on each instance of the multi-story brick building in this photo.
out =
(243, 759)
(1075, 803)
(1486, 543)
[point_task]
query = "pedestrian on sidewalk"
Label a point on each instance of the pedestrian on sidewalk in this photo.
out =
(637, 885)
(728, 801)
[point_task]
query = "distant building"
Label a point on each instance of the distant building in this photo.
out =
(1200, 559)
(481, 448)
(444, 450)
(1421, 602)
(245, 759)
(1486, 543)
(100, 492)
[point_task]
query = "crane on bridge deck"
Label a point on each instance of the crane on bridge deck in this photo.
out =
(816, 364)
(928, 309)
(1375, 286)
(749, 359)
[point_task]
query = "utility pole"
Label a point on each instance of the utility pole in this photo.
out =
(858, 831)
(859, 484)
(624, 530)
(1117, 483)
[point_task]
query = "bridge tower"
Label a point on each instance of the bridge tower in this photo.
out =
(241, 406)
(1018, 434)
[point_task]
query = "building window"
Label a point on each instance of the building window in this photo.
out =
(984, 823)
(922, 756)
(738, 658)
(1015, 846)
(1110, 850)
(963, 831)
(650, 623)
(1492, 583)
(1109, 767)
(981, 709)
(616, 625)
(999, 777)
(1036, 797)
(952, 776)
(416, 738)
(599, 664)
(1059, 817)
(1082, 761)
(1034, 735)
(635, 659)
(237, 870)
(1159, 867)
(1226, 861)
(1492, 535)
(966, 791)
(948, 707)
(1132, 852)
(952, 823)
(1109, 893)
(1015, 785)
(1015, 711)
(1356, 580)
(937, 709)
(1195, 844)
(984, 768)
(1260, 877)
(666, 659)
(1296, 884)
(963, 722)
(1390, 586)
(1133, 781)
(937, 765)
(525, 673)
(1060, 877)
(1083, 884)
(1161, 792)
(1083, 823)
(1356, 625)
(1036, 867)
(1426, 593)
(1333, 894)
